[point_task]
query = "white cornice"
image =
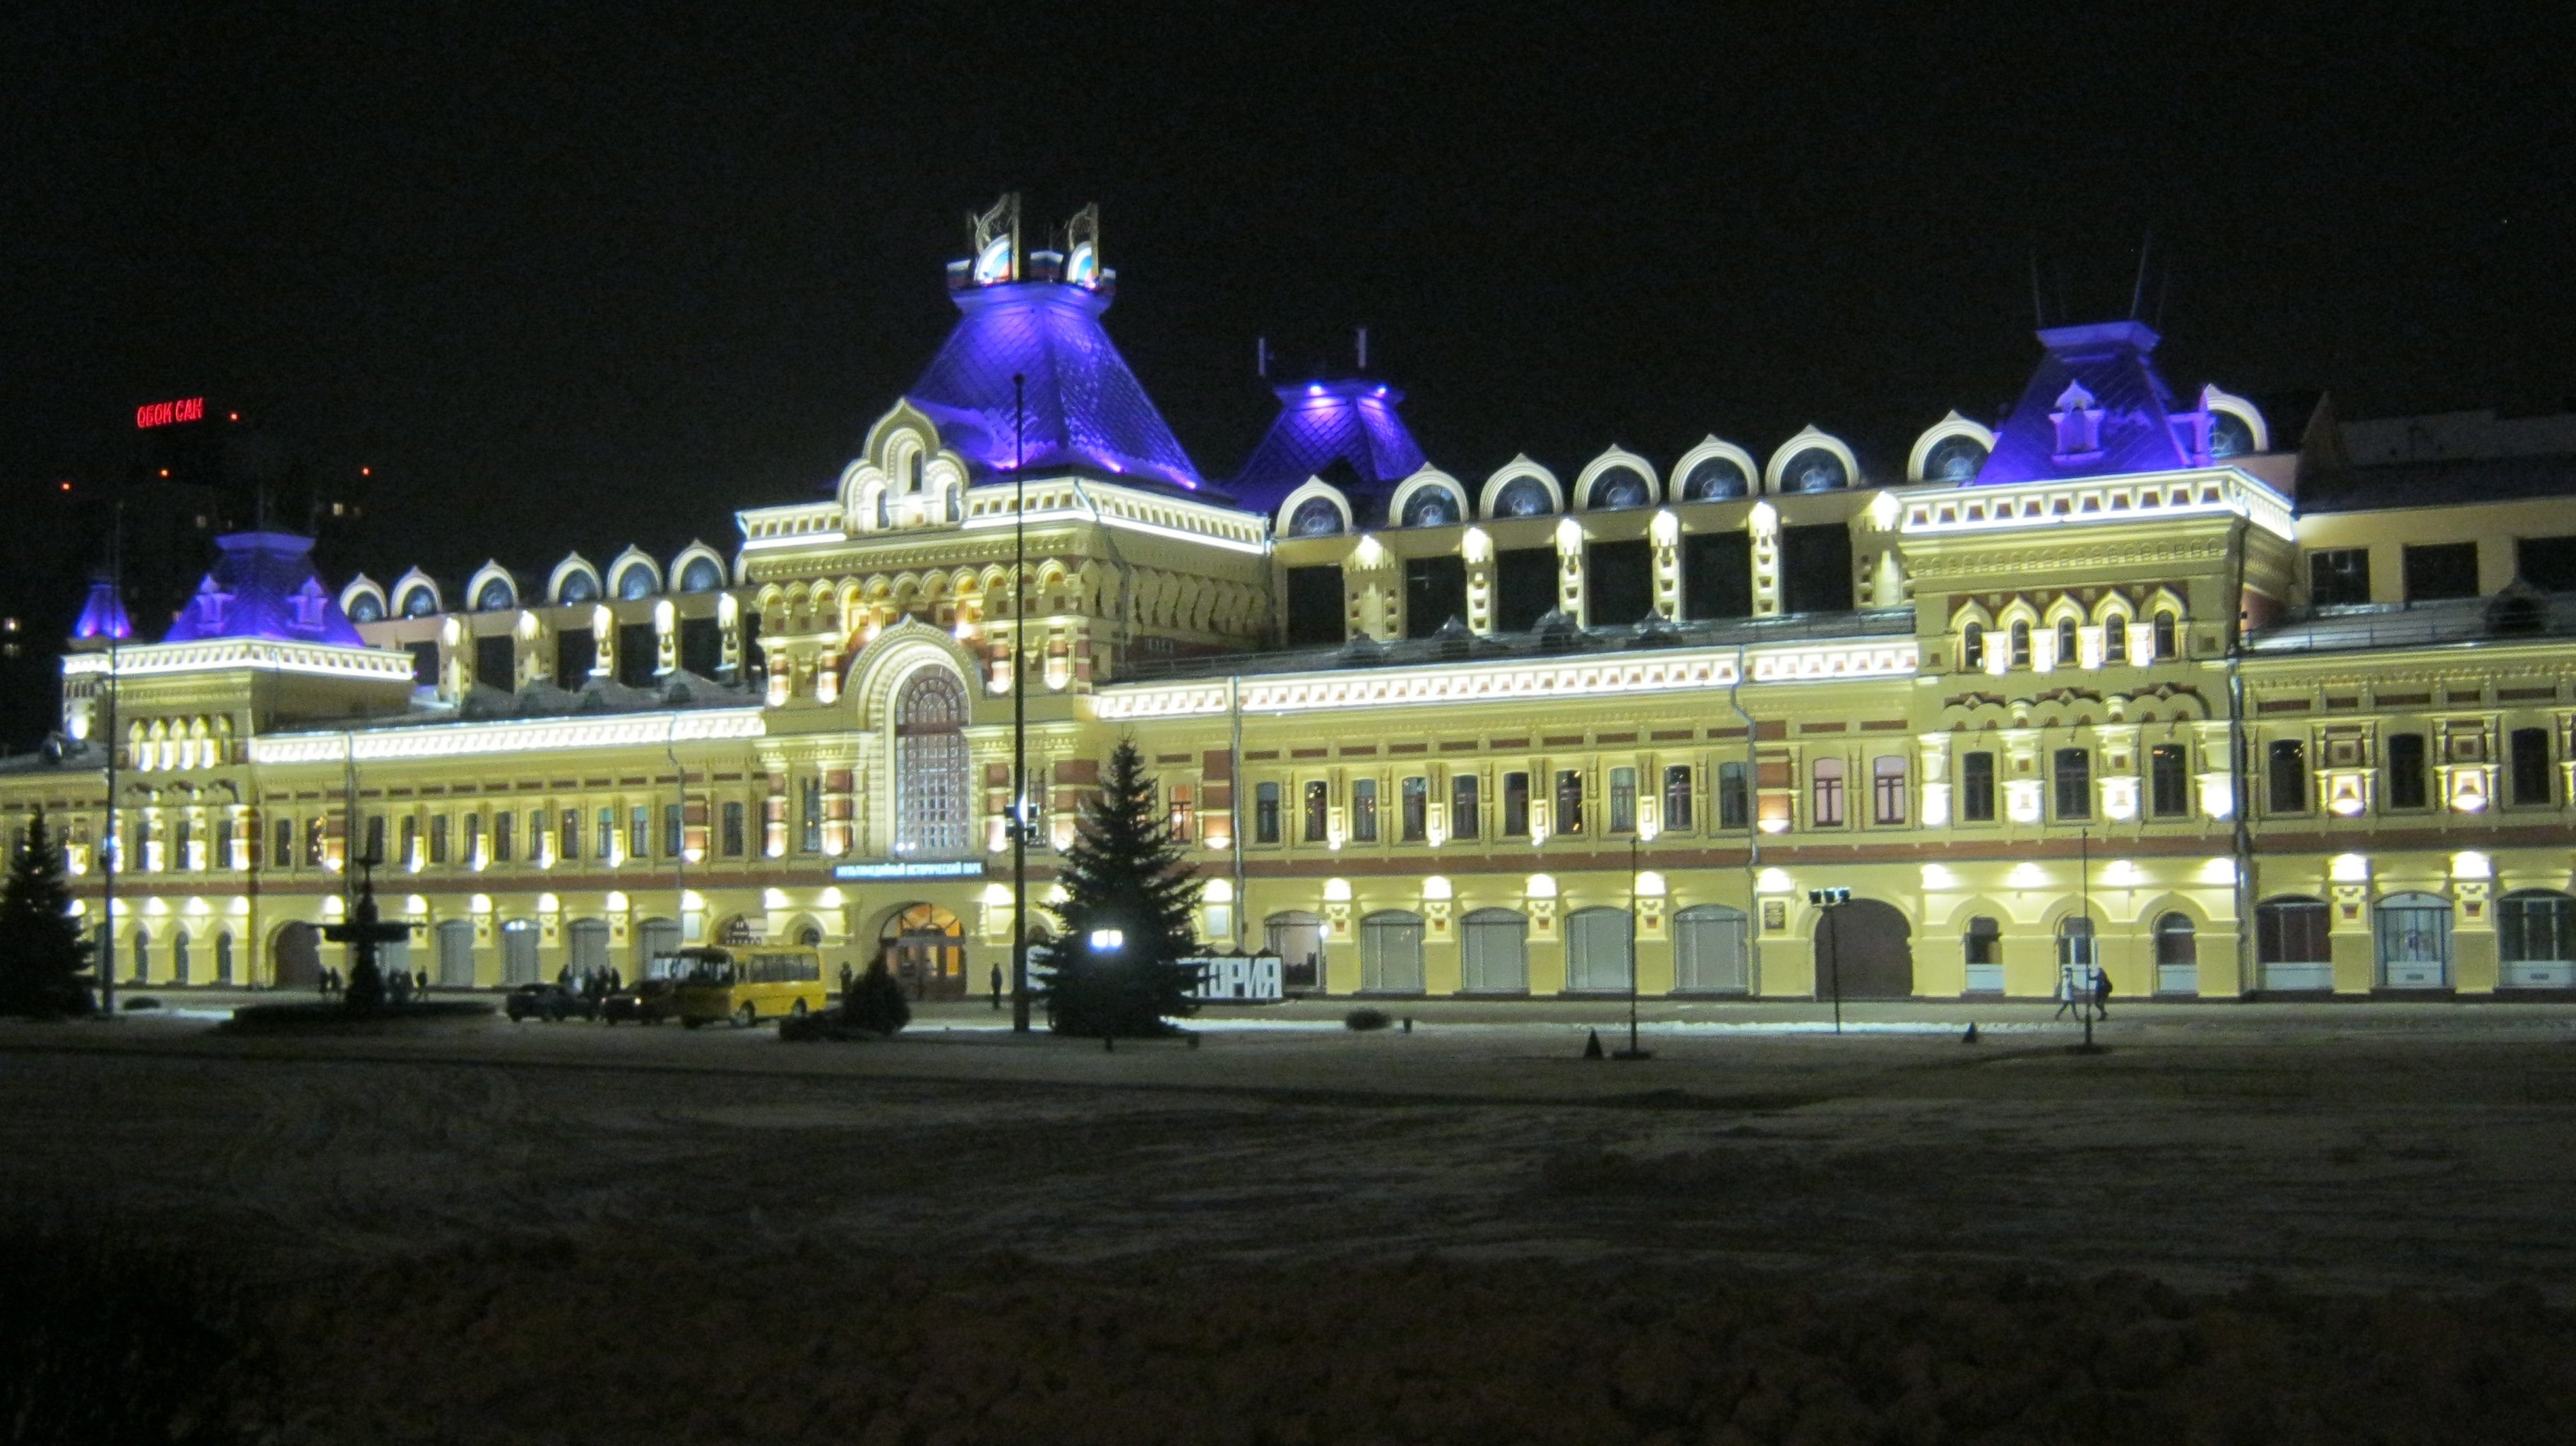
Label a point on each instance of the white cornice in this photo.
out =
(269, 655)
(551, 735)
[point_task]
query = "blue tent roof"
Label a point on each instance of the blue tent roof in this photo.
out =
(1322, 423)
(1084, 408)
(2118, 416)
(263, 587)
(102, 615)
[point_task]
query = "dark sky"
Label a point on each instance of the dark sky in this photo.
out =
(575, 279)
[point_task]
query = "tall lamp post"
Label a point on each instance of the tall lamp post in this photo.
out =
(1633, 1051)
(1019, 824)
(1830, 900)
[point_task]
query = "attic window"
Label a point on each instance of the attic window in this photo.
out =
(2229, 435)
(1315, 517)
(1431, 507)
(2079, 424)
(308, 605)
(212, 603)
(1523, 497)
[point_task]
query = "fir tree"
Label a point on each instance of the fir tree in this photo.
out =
(1124, 872)
(875, 1001)
(43, 951)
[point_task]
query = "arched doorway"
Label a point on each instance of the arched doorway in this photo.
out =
(1596, 951)
(1297, 938)
(2414, 942)
(925, 946)
(519, 951)
(2177, 955)
(224, 957)
(179, 961)
(140, 966)
(1869, 945)
(456, 954)
(1708, 951)
(1391, 953)
(655, 939)
(589, 948)
(295, 956)
(1497, 952)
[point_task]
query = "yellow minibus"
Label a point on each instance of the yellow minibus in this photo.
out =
(745, 985)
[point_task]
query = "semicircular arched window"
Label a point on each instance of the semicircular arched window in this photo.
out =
(1954, 459)
(419, 602)
(1315, 517)
(1621, 486)
(580, 586)
(1432, 507)
(366, 607)
(1714, 479)
(701, 575)
(494, 596)
(1523, 497)
(2229, 435)
(930, 765)
(635, 582)
(1817, 469)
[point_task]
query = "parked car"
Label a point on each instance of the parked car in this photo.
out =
(552, 1003)
(646, 1001)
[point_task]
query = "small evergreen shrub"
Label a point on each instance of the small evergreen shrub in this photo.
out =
(876, 1003)
(1364, 1020)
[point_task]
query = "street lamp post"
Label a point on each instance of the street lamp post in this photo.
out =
(1633, 1051)
(1019, 824)
(1829, 900)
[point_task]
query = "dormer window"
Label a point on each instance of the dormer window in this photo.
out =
(2079, 424)
(308, 606)
(211, 603)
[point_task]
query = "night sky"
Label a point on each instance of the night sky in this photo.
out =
(602, 277)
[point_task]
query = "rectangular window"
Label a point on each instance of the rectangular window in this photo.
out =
(675, 830)
(1826, 809)
(281, 844)
(809, 815)
(568, 838)
(1524, 587)
(1734, 796)
(1816, 569)
(2441, 570)
(576, 652)
(1569, 801)
(410, 841)
(1887, 790)
(1177, 813)
(1416, 792)
(1463, 819)
(474, 852)
(1314, 606)
(2339, 576)
(2168, 781)
(2406, 770)
(424, 665)
(2547, 563)
(1319, 810)
(2532, 783)
(1977, 788)
(2115, 639)
(1516, 799)
(1717, 575)
(1435, 590)
(496, 662)
(1265, 813)
(639, 831)
(1618, 583)
(438, 838)
(1677, 797)
(2289, 776)
(2074, 783)
(639, 654)
(375, 838)
(315, 829)
(504, 836)
(1623, 800)
(701, 646)
(1364, 809)
(184, 835)
(607, 843)
(733, 830)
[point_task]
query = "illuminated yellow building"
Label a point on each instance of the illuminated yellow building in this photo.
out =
(2115, 682)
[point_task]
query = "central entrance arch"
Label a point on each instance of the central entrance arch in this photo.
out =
(925, 947)
(1869, 943)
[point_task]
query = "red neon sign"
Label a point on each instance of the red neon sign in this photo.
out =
(162, 414)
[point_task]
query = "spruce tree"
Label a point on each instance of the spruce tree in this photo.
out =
(1124, 872)
(43, 951)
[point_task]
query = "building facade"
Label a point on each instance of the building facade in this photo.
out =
(2117, 682)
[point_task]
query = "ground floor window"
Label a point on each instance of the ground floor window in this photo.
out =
(2414, 935)
(2536, 940)
(1709, 952)
(1391, 953)
(2290, 944)
(1495, 944)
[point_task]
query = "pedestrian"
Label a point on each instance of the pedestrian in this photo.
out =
(420, 982)
(2101, 993)
(2067, 996)
(322, 983)
(846, 979)
(997, 987)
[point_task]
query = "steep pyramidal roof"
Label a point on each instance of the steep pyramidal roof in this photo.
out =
(1352, 423)
(263, 587)
(102, 614)
(1084, 408)
(2094, 408)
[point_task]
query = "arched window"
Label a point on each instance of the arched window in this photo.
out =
(2075, 943)
(2164, 635)
(1432, 507)
(494, 596)
(223, 958)
(2229, 436)
(1972, 648)
(1523, 497)
(2067, 645)
(1816, 469)
(579, 586)
(1714, 479)
(2175, 941)
(1496, 943)
(2536, 937)
(701, 575)
(930, 765)
(1391, 953)
(1954, 459)
(2115, 638)
(1708, 950)
(2020, 643)
(365, 608)
(419, 602)
(142, 956)
(1315, 517)
(1620, 487)
(635, 582)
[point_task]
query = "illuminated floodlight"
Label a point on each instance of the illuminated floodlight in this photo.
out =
(1108, 941)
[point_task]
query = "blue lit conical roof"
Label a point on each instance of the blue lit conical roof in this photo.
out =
(1353, 423)
(2106, 369)
(1084, 408)
(263, 586)
(102, 614)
